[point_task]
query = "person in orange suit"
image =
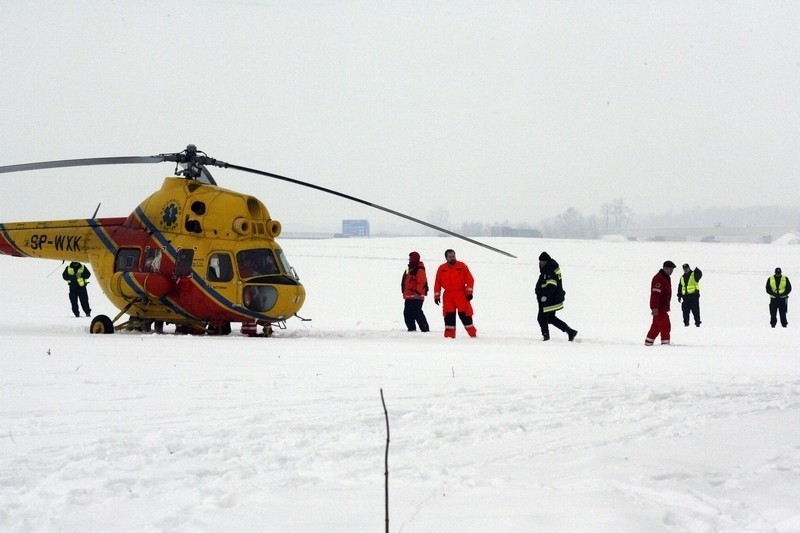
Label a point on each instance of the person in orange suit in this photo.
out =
(454, 278)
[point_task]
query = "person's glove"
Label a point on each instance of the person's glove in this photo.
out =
(436, 301)
(543, 299)
(469, 297)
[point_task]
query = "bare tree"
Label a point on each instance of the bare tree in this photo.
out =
(606, 210)
(621, 213)
(438, 217)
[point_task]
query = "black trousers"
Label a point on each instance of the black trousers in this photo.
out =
(550, 317)
(778, 306)
(413, 315)
(450, 319)
(691, 304)
(79, 293)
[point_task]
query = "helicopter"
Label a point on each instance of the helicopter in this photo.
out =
(192, 254)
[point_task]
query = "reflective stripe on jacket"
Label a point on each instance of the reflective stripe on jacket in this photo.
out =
(778, 286)
(78, 275)
(660, 291)
(550, 286)
(688, 287)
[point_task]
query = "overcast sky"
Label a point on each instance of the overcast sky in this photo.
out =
(490, 110)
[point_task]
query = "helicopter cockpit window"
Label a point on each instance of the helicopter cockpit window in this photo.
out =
(220, 268)
(127, 260)
(183, 262)
(285, 262)
(259, 262)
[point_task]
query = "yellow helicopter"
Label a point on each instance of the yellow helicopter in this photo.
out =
(192, 254)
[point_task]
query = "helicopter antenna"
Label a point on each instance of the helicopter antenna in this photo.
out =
(95, 211)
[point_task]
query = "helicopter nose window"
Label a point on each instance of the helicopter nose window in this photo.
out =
(220, 268)
(258, 262)
(198, 208)
(259, 298)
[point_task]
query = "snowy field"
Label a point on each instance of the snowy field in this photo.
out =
(141, 432)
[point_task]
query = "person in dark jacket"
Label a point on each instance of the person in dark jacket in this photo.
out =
(414, 285)
(689, 293)
(660, 296)
(778, 288)
(550, 297)
(76, 275)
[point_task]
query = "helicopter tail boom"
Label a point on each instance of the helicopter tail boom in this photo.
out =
(64, 240)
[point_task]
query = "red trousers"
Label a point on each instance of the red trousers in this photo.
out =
(661, 326)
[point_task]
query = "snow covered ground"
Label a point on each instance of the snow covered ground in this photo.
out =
(499, 433)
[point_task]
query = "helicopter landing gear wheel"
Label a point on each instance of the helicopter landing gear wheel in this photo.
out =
(268, 330)
(101, 324)
(223, 329)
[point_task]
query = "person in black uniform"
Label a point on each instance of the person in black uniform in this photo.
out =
(550, 297)
(778, 288)
(76, 275)
(689, 293)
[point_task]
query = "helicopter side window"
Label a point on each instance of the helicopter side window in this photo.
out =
(220, 268)
(127, 259)
(183, 262)
(258, 262)
(152, 260)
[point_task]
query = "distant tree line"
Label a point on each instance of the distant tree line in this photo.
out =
(615, 216)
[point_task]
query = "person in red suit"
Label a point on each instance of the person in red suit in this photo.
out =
(660, 296)
(457, 282)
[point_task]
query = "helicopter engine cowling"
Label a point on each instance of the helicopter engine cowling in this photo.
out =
(133, 285)
(273, 228)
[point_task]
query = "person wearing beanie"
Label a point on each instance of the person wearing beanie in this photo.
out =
(454, 278)
(550, 297)
(414, 286)
(778, 288)
(660, 296)
(689, 293)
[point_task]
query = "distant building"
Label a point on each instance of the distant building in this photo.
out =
(505, 231)
(707, 234)
(355, 228)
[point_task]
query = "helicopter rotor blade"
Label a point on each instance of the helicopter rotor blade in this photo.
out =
(193, 163)
(132, 160)
(365, 202)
